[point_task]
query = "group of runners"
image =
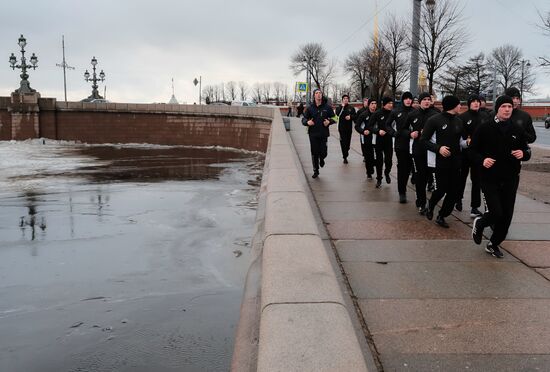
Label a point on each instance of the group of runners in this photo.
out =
(436, 150)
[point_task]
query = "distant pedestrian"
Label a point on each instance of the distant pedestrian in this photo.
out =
(300, 110)
(383, 147)
(365, 136)
(318, 117)
(498, 146)
(442, 137)
(521, 117)
(471, 119)
(346, 115)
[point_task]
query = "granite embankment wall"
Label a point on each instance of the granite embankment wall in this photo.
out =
(240, 127)
(294, 316)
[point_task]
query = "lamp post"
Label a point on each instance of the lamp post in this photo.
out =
(65, 66)
(94, 79)
(415, 43)
(25, 85)
(523, 63)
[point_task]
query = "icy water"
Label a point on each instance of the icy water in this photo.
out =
(122, 258)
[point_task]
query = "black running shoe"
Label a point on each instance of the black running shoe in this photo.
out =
(477, 231)
(322, 163)
(458, 206)
(441, 222)
(315, 174)
(369, 176)
(422, 210)
(378, 184)
(345, 160)
(494, 250)
(475, 213)
(429, 213)
(402, 198)
(388, 179)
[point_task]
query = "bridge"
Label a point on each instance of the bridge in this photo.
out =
(343, 277)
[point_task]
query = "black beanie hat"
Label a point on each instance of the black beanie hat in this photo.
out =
(501, 100)
(472, 98)
(386, 100)
(450, 102)
(424, 95)
(513, 92)
(406, 95)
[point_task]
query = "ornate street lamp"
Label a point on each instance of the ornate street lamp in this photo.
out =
(25, 85)
(94, 79)
(415, 42)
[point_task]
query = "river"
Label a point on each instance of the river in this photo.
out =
(122, 258)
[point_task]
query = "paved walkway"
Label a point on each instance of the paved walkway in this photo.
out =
(433, 300)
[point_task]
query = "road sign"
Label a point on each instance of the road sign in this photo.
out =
(301, 86)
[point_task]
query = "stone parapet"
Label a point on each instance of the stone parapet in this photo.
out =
(303, 318)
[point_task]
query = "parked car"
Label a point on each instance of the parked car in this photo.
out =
(547, 122)
(100, 100)
(243, 103)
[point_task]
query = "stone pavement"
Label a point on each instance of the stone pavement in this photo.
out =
(430, 298)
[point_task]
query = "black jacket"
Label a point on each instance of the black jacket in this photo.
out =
(343, 111)
(471, 120)
(523, 119)
(377, 122)
(416, 121)
(496, 140)
(448, 132)
(397, 127)
(361, 123)
(318, 114)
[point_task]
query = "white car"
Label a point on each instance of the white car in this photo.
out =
(243, 103)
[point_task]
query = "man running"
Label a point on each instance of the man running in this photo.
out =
(365, 136)
(346, 114)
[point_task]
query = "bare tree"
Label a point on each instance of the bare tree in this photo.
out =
(280, 91)
(231, 90)
(356, 65)
(396, 41)
(442, 36)
(313, 57)
(452, 81)
(545, 26)
(243, 90)
(266, 89)
(257, 92)
(208, 93)
(476, 77)
(507, 60)
(378, 61)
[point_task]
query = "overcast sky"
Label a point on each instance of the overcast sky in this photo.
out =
(141, 45)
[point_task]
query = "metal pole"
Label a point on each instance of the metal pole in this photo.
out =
(64, 64)
(414, 47)
(494, 84)
(521, 83)
(200, 90)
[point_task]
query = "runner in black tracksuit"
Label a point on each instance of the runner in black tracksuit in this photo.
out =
(416, 121)
(361, 122)
(498, 146)
(317, 117)
(346, 115)
(470, 121)
(442, 135)
(383, 143)
(520, 117)
(397, 127)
